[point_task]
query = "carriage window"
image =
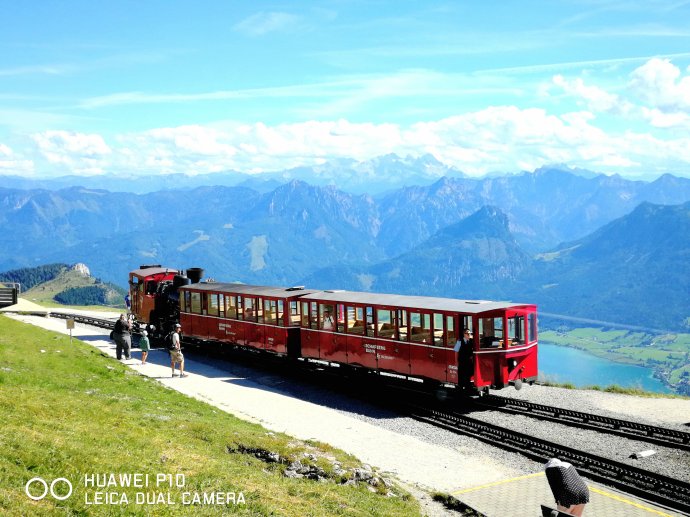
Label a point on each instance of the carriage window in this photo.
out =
(187, 302)
(438, 329)
(491, 332)
(249, 305)
(259, 309)
(370, 320)
(355, 320)
(212, 304)
(340, 317)
(305, 314)
(386, 324)
(402, 325)
(313, 315)
(420, 327)
(326, 317)
(151, 287)
(280, 308)
(196, 303)
(451, 337)
(231, 306)
(270, 312)
(294, 313)
(516, 326)
(532, 327)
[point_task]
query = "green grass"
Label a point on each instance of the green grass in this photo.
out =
(614, 388)
(70, 411)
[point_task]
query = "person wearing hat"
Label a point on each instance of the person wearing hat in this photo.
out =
(176, 352)
(144, 345)
(465, 349)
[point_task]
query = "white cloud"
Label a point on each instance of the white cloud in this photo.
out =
(77, 153)
(661, 84)
(264, 22)
(658, 118)
(497, 138)
(10, 163)
(597, 99)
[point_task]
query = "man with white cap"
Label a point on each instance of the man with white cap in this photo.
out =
(176, 352)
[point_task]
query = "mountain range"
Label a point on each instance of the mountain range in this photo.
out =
(584, 245)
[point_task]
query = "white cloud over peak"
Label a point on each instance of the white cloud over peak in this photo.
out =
(77, 152)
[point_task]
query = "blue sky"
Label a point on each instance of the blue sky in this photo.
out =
(132, 87)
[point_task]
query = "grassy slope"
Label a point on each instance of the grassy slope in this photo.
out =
(69, 411)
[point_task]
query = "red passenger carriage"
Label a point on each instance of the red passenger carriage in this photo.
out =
(265, 318)
(415, 336)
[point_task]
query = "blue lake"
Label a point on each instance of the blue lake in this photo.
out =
(563, 364)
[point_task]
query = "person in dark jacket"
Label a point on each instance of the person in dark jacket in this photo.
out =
(465, 349)
(568, 488)
(122, 337)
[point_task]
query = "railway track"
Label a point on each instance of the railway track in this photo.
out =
(658, 488)
(87, 320)
(632, 430)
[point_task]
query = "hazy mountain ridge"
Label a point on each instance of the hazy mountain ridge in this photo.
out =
(456, 237)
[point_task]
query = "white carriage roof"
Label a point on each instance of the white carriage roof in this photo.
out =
(360, 298)
(245, 289)
(148, 271)
(411, 302)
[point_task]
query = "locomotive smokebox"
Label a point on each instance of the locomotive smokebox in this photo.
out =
(195, 274)
(179, 280)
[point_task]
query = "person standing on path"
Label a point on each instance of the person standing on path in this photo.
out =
(176, 352)
(144, 345)
(122, 337)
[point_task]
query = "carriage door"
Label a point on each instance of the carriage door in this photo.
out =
(451, 334)
(309, 323)
(428, 360)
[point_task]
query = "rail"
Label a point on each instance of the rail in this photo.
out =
(654, 487)
(632, 430)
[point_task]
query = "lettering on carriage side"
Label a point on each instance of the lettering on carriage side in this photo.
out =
(371, 348)
(453, 367)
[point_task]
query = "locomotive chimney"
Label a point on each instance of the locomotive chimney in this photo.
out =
(195, 274)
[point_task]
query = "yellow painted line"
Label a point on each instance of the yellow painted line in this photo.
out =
(627, 501)
(497, 483)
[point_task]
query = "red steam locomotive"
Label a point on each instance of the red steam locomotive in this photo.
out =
(411, 337)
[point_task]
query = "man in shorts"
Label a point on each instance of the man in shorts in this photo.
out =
(176, 353)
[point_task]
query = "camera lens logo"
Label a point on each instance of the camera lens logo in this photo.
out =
(57, 494)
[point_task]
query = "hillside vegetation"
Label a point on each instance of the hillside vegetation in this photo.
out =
(70, 412)
(29, 277)
(60, 284)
